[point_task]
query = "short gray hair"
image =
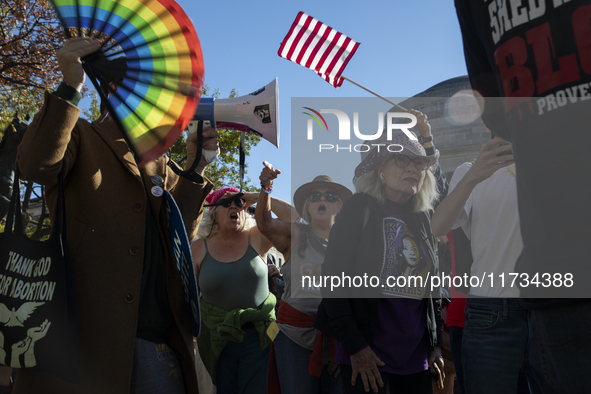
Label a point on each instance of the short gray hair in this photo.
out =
(423, 201)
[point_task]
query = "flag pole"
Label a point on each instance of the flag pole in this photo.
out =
(374, 93)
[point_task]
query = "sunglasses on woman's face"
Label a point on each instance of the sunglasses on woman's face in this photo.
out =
(328, 196)
(403, 161)
(239, 203)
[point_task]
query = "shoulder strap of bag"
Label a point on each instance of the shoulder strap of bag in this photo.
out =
(59, 226)
(15, 207)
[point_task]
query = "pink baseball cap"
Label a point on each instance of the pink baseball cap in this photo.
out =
(214, 196)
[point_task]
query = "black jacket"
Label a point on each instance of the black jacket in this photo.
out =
(355, 248)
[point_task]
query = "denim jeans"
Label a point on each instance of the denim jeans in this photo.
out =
(495, 346)
(156, 369)
(292, 366)
(455, 337)
(560, 352)
(242, 366)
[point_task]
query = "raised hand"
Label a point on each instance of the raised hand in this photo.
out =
(268, 174)
(495, 154)
(68, 58)
(422, 126)
(210, 142)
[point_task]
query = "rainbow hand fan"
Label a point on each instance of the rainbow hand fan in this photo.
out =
(151, 50)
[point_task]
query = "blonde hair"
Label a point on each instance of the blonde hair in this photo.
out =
(423, 201)
(306, 212)
(209, 225)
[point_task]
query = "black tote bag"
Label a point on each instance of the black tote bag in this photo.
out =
(38, 317)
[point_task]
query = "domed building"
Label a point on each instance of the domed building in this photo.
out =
(453, 111)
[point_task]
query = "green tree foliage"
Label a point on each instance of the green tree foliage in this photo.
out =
(36, 215)
(93, 111)
(29, 36)
(37, 226)
(225, 171)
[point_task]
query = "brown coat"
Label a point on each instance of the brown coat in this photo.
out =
(105, 203)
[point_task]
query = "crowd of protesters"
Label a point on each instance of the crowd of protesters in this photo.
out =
(521, 206)
(384, 340)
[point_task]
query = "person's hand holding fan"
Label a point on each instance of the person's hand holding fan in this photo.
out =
(149, 51)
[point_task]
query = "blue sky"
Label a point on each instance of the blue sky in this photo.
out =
(406, 47)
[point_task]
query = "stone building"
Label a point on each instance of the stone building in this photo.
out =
(453, 113)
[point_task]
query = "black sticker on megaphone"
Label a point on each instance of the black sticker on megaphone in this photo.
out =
(258, 91)
(262, 112)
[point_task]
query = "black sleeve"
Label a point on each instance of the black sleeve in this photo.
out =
(440, 322)
(341, 259)
(343, 242)
(482, 76)
(442, 184)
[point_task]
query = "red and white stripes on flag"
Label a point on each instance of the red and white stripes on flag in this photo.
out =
(319, 47)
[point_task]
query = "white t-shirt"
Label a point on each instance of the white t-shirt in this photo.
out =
(490, 220)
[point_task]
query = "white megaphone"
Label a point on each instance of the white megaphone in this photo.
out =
(257, 112)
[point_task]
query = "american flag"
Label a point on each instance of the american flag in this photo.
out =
(319, 47)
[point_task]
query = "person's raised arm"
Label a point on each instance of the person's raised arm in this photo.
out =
(282, 209)
(279, 232)
(50, 138)
(424, 129)
(486, 164)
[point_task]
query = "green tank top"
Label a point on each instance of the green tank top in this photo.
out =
(237, 285)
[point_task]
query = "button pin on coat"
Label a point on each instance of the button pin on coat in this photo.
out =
(157, 180)
(157, 191)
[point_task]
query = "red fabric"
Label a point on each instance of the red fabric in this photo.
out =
(455, 310)
(292, 317)
(315, 367)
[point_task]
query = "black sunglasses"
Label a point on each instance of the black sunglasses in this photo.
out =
(328, 196)
(239, 203)
(227, 202)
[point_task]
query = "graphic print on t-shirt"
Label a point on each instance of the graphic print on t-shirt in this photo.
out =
(543, 50)
(536, 57)
(406, 265)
